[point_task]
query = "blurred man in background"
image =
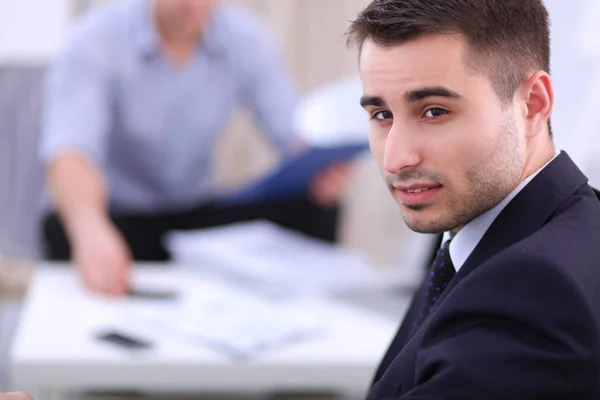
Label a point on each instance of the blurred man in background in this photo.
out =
(135, 103)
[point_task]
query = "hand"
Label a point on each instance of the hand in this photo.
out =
(14, 396)
(103, 258)
(298, 146)
(330, 186)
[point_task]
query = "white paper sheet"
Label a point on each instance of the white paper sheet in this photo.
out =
(239, 323)
(272, 256)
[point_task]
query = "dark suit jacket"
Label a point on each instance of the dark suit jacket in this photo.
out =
(521, 318)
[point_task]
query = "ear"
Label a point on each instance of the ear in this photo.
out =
(539, 99)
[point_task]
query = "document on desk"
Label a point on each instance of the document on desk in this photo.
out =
(293, 176)
(271, 258)
(238, 323)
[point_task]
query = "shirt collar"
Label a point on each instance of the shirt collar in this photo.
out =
(465, 241)
(148, 36)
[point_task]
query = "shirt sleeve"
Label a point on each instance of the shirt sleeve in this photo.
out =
(76, 114)
(268, 88)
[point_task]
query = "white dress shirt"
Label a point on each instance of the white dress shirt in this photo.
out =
(468, 237)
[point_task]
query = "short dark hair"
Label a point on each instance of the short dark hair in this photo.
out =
(507, 39)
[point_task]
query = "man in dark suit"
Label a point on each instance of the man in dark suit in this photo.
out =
(459, 96)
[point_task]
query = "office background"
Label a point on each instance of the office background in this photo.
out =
(310, 32)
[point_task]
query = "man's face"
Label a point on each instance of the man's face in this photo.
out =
(447, 147)
(190, 15)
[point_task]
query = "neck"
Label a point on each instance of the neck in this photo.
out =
(539, 152)
(538, 155)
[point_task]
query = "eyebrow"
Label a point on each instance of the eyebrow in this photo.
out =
(436, 91)
(375, 101)
(413, 96)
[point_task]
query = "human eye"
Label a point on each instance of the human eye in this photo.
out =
(382, 115)
(435, 112)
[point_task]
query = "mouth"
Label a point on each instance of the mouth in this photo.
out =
(417, 194)
(418, 190)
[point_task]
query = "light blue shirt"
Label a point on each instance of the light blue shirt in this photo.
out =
(150, 126)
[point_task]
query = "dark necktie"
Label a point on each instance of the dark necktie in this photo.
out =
(441, 273)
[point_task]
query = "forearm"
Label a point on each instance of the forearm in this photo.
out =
(79, 192)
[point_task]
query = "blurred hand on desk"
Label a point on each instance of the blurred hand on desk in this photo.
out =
(103, 258)
(98, 248)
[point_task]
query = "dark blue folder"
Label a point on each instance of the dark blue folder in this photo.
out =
(294, 175)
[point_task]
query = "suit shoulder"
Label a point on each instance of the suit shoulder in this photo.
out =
(526, 282)
(523, 260)
(566, 245)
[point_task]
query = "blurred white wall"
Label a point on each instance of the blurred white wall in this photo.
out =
(31, 30)
(576, 80)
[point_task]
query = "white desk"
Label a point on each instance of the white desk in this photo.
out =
(55, 352)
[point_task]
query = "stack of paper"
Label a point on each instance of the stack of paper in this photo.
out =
(236, 322)
(270, 256)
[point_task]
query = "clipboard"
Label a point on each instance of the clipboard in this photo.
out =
(293, 176)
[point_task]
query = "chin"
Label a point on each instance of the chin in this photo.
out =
(422, 221)
(426, 228)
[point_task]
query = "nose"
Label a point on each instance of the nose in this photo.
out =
(402, 150)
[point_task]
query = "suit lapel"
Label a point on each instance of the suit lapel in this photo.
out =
(524, 215)
(404, 333)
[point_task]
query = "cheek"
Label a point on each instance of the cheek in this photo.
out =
(464, 147)
(377, 142)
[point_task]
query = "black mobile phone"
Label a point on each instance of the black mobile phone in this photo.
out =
(124, 340)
